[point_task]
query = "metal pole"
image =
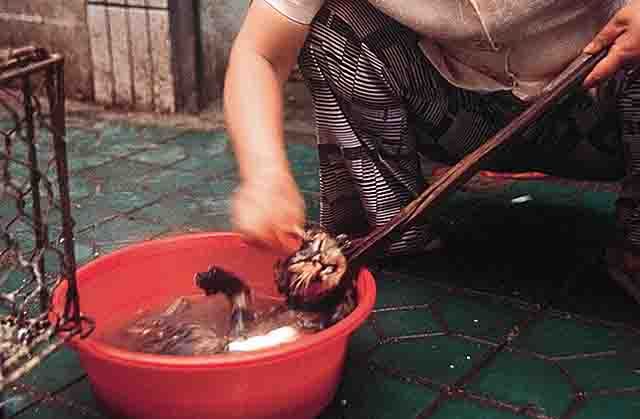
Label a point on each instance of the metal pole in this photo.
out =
(55, 90)
(39, 227)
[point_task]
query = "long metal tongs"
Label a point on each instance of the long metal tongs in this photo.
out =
(362, 248)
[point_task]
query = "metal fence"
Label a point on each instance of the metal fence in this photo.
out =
(36, 227)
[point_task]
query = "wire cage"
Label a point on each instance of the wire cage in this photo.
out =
(36, 227)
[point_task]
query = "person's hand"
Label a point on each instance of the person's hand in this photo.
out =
(270, 211)
(622, 36)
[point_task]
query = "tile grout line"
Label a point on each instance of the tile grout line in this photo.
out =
(475, 369)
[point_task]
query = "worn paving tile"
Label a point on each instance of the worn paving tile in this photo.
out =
(51, 410)
(312, 207)
(208, 202)
(618, 407)
(120, 230)
(55, 372)
(367, 394)
(158, 134)
(583, 215)
(525, 381)
(542, 191)
(211, 153)
(304, 165)
(49, 211)
(6, 124)
(15, 400)
(213, 206)
(167, 181)
(160, 156)
(104, 248)
(80, 142)
(53, 259)
(442, 359)
(118, 172)
(601, 202)
(362, 341)
(208, 223)
(82, 252)
(207, 166)
(194, 210)
(562, 336)
(303, 157)
(91, 214)
(480, 316)
(91, 161)
(307, 182)
(189, 217)
(121, 140)
(176, 215)
(123, 149)
(407, 322)
(80, 394)
(17, 173)
(8, 210)
(79, 188)
(152, 182)
(115, 132)
(117, 201)
(202, 165)
(463, 409)
(12, 281)
(213, 187)
(20, 149)
(87, 214)
(202, 143)
(600, 373)
(403, 290)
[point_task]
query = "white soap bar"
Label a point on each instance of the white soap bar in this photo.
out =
(274, 338)
(522, 199)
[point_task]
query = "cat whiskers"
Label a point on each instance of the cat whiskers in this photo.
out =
(302, 282)
(304, 275)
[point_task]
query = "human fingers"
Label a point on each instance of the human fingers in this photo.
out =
(615, 59)
(267, 221)
(622, 36)
(607, 35)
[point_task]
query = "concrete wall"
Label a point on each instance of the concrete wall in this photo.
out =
(58, 25)
(63, 26)
(132, 54)
(220, 21)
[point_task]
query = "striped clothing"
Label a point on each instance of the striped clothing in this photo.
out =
(379, 105)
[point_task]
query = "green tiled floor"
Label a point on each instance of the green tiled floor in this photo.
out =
(433, 348)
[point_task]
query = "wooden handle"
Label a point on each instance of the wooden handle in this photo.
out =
(466, 168)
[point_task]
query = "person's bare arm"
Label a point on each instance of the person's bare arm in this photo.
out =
(267, 206)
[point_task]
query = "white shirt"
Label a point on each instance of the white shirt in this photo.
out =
(490, 45)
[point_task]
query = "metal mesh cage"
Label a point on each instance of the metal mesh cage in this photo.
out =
(36, 228)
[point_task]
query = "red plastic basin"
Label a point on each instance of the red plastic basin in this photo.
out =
(295, 380)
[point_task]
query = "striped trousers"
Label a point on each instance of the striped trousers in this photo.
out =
(380, 105)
